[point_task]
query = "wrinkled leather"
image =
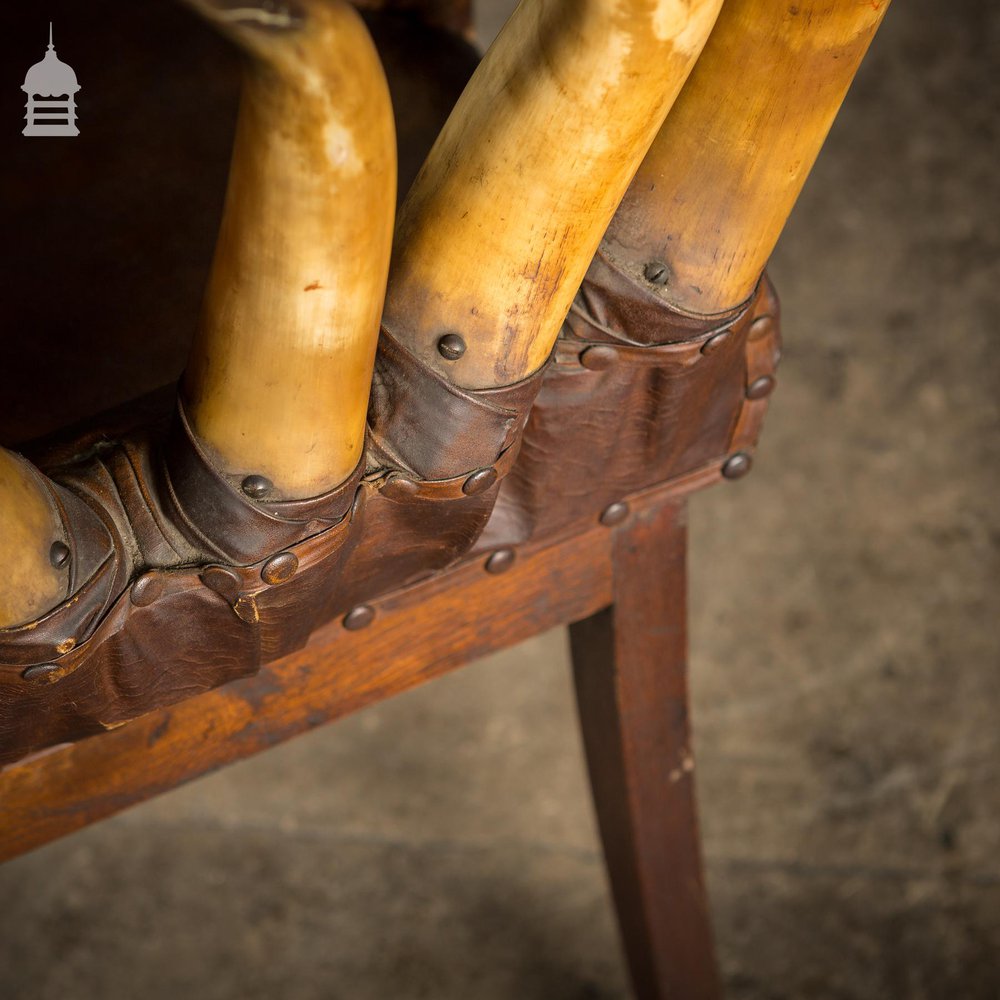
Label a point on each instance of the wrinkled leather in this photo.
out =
(432, 446)
(422, 423)
(214, 512)
(621, 309)
(658, 407)
(179, 582)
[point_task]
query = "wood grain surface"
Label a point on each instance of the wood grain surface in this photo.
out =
(415, 635)
(630, 665)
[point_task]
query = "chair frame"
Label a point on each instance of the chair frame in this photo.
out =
(622, 591)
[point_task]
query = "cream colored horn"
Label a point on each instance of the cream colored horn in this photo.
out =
(501, 223)
(279, 375)
(32, 582)
(713, 195)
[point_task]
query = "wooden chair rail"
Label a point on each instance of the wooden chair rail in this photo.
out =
(622, 589)
(417, 634)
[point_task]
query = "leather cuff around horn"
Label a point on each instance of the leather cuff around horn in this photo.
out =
(421, 423)
(615, 306)
(235, 519)
(437, 455)
(95, 569)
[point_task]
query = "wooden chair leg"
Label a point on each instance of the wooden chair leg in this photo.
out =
(630, 668)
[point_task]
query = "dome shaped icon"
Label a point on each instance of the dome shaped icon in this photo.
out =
(51, 86)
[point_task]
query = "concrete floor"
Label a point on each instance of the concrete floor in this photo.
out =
(844, 658)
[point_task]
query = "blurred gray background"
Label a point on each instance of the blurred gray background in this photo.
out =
(844, 665)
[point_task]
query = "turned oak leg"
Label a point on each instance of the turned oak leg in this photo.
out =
(630, 669)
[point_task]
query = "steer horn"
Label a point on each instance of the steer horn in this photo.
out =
(715, 190)
(33, 550)
(278, 380)
(500, 226)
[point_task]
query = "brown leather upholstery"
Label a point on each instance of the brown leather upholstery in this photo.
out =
(637, 394)
(186, 582)
(180, 581)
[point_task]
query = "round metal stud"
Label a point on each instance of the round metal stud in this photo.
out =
(40, 671)
(399, 487)
(598, 357)
(500, 561)
(760, 388)
(257, 487)
(225, 582)
(479, 482)
(451, 347)
(359, 617)
(656, 272)
(614, 513)
(146, 589)
(59, 554)
(715, 342)
(280, 568)
(760, 327)
(737, 465)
